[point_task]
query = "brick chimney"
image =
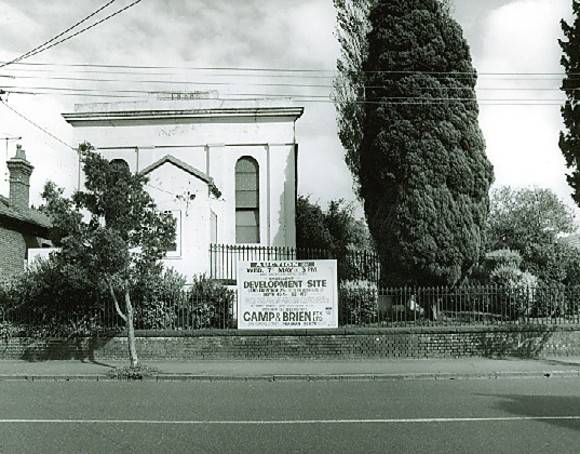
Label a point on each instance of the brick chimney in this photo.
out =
(20, 170)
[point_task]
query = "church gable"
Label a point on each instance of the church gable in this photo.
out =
(172, 160)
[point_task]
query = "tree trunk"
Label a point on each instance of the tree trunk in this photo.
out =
(130, 330)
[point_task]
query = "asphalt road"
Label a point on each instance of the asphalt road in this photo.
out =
(424, 416)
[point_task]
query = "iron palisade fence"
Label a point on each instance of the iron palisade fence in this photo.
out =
(352, 264)
(367, 305)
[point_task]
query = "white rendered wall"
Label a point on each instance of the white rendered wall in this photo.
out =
(194, 233)
(213, 146)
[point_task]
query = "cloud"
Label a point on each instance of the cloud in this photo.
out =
(505, 35)
(522, 141)
(280, 33)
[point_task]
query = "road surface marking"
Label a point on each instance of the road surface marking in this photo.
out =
(290, 421)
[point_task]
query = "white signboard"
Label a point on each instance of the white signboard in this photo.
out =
(36, 254)
(288, 294)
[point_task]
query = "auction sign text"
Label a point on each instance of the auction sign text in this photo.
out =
(287, 294)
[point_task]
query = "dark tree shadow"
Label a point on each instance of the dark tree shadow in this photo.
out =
(516, 343)
(71, 348)
(541, 406)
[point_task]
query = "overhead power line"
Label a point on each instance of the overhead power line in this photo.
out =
(110, 16)
(177, 82)
(14, 72)
(44, 47)
(291, 70)
(257, 84)
(325, 99)
(54, 38)
(31, 89)
(36, 125)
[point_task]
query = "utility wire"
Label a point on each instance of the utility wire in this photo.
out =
(179, 82)
(37, 48)
(402, 100)
(106, 92)
(282, 95)
(259, 84)
(240, 73)
(330, 101)
(36, 125)
(161, 73)
(82, 30)
(43, 49)
(298, 70)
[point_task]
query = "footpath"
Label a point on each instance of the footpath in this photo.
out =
(280, 370)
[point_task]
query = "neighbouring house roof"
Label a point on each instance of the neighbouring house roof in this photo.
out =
(28, 218)
(185, 167)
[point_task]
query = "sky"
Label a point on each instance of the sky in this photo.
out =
(505, 36)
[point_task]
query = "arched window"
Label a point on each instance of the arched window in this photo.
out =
(247, 201)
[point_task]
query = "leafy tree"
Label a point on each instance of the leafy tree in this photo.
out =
(422, 170)
(335, 229)
(335, 233)
(531, 221)
(112, 231)
(570, 140)
(352, 28)
(347, 231)
(311, 229)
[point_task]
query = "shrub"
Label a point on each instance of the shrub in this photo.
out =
(54, 298)
(358, 302)
(519, 290)
(157, 299)
(502, 257)
(208, 304)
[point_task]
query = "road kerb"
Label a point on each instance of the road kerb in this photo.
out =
(181, 377)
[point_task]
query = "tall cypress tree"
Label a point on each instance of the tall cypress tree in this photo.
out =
(570, 140)
(352, 27)
(424, 175)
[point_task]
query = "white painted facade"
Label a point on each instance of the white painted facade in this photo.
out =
(185, 147)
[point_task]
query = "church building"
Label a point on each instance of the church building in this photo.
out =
(225, 169)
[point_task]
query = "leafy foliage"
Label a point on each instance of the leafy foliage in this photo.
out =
(352, 28)
(311, 229)
(531, 221)
(502, 257)
(334, 233)
(111, 231)
(157, 298)
(358, 302)
(332, 230)
(518, 289)
(56, 299)
(415, 149)
(570, 139)
(208, 304)
(124, 237)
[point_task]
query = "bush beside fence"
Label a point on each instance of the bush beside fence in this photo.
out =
(210, 305)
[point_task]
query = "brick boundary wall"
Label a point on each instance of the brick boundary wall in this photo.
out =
(434, 342)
